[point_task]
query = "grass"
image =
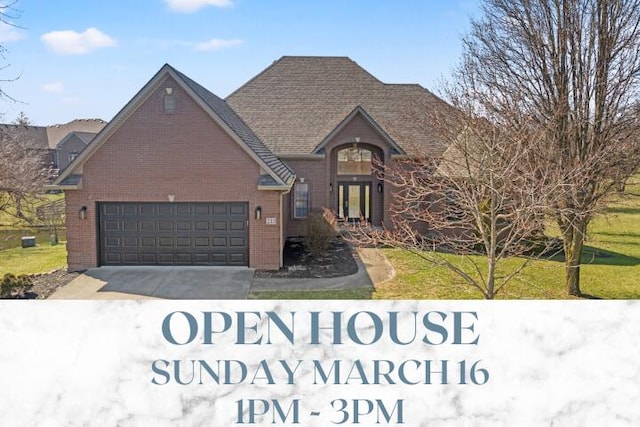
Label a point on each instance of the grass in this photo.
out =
(610, 270)
(38, 259)
(8, 219)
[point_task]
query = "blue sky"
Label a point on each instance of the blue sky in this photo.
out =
(87, 58)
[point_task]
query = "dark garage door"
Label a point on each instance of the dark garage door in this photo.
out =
(174, 234)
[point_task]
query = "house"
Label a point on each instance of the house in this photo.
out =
(71, 146)
(183, 177)
(44, 140)
(32, 139)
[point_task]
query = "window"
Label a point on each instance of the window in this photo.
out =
(72, 156)
(354, 161)
(169, 104)
(301, 200)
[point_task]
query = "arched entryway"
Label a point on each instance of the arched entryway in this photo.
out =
(358, 193)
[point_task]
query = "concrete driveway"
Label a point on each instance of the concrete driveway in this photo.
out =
(212, 282)
(159, 283)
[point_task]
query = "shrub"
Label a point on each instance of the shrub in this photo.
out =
(320, 231)
(12, 286)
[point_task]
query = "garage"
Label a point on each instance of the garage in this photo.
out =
(214, 234)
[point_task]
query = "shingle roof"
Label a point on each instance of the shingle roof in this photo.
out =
(56, 133)
(48, 137)
(296, 102)
(29, 137)
(229, 116)
(85, 137)
(71, 180)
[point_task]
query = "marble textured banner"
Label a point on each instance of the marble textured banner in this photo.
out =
(319, 363)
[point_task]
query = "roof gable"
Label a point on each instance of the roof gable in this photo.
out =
(359, 111)
(217, 109)
(296, 102)
(84, 137)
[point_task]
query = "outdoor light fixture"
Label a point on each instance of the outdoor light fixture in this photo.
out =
(168, 90)
(82, 213)
(331, 187)
(379, 187)
(258, 212)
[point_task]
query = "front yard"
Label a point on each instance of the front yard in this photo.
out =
(39, 259)
(610, 270)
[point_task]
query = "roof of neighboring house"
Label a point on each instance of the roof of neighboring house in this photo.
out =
(31, 137)
(56, 133)
(85, 137)
(48, 137)
(296, 102)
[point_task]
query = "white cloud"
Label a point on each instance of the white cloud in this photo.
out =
(9, 33)
(216, 44)
(74, 43)
(53, 87)
(190, 6)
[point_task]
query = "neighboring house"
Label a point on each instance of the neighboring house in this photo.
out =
(44, 140)
(71, 146)
(31, 138)
(181, 176)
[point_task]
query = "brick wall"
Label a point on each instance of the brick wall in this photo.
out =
(319, 173)
(187, 155)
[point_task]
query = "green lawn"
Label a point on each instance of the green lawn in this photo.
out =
(610, 270)
(39, 259)
(9, 220)
(611, 265)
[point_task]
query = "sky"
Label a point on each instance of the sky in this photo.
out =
(68, 59)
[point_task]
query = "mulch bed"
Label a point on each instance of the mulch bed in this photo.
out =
(336, 261)
(46, 284)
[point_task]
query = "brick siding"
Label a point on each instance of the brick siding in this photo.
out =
(186, 154)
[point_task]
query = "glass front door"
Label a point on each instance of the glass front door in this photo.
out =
(354, 201)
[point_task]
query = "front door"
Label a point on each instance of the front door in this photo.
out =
(354, 201)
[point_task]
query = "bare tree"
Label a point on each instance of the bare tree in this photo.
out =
(8, 16)
(481, 201)
(22, 174)
(572, 68)
(52, 215)
(22, 171)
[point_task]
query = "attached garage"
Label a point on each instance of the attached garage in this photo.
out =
(173, 233)
(175, 178)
